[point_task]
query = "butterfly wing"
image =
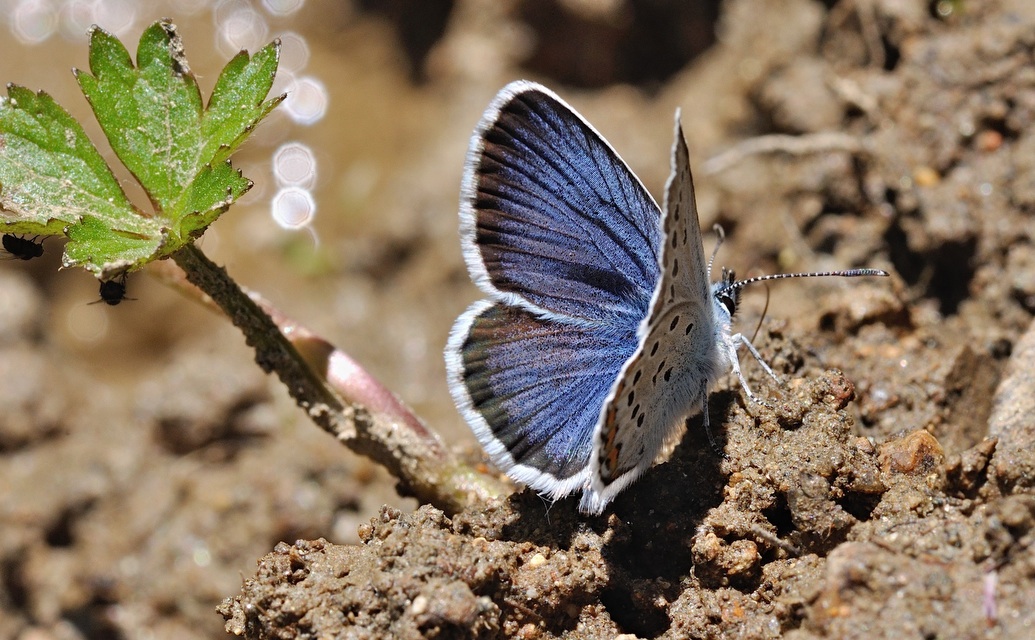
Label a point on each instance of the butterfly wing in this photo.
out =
(532, 389)
(684, 267)
(551, 218)
(564, 239)
(676, 359)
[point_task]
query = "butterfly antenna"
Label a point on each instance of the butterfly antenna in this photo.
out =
(720, 236)
(846, 273)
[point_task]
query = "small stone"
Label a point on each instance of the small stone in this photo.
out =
(917, 453)
(742, 557)
(419, 605)
(926, 177)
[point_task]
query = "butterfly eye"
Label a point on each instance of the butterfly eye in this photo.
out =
(729, 302)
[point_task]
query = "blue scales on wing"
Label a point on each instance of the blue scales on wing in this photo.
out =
(553, 218)
(536, 388)
(564, 239)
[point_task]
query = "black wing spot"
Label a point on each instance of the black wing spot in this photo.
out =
(602, 279)
(668, 374)
(654, 349)
(636, 376)
(675, 321)
(631, 397)
(639, 421)
(689, 328)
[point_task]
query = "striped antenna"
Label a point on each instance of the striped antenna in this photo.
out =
(846, 273)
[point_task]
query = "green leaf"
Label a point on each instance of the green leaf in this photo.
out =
(209, 195)
(53, 180)
(237, 103)
(50, 173)
(108, 253)
(150, 114)
(153, 115)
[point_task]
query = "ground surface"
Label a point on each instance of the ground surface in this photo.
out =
(143, 473)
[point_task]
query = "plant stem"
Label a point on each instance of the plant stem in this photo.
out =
(341, 397)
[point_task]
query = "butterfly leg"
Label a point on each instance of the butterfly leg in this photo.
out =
(739, 339)
(707, 422)
(735, 341)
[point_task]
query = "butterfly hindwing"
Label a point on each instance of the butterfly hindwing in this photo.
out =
(531, 390)
(552, 218)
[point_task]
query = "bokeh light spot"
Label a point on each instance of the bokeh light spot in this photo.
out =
(87, 323)
(294, 165)
(294, 52)
(293, 208)
(77, 16)
(33, 21)
(282, 7)
(116, 16)
(241, 28)
(307, 100)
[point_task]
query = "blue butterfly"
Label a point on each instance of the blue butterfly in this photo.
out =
(601, 333)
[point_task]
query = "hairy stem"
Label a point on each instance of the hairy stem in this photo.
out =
(340, 397)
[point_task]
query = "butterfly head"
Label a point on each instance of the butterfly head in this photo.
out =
(727, 292)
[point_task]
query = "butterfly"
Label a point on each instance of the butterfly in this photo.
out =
(602, 332)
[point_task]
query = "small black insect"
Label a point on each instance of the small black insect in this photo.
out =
(113, 291)
(21, 247)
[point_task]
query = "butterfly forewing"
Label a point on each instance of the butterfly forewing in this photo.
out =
(685, 269)
(551, 217)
